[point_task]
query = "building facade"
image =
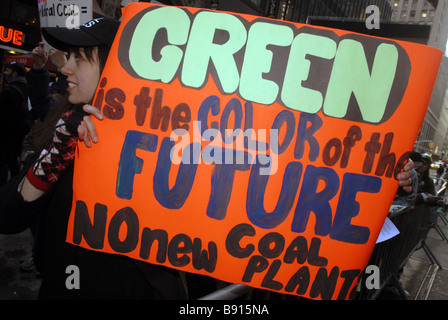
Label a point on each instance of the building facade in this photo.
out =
(433, 136)
(413, 12)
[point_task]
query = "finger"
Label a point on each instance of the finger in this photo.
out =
(91, 130)
(83, 134)
(405, 182)
(409, 165)
(40, 49)
(408, 189)
(37, 51)
(81, 131)
(93, 111)
(403, 176)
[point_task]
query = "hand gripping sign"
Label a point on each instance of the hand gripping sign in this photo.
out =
(250, 150)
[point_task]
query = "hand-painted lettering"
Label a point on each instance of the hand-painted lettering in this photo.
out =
(240, 61)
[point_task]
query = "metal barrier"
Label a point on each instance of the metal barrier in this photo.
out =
(391, 256)
(442, 212)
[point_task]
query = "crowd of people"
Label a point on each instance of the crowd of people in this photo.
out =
(14, 122)
(38, 192)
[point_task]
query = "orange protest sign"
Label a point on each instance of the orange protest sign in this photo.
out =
(250, 150)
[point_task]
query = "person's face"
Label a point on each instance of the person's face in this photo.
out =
(83, 76)
(9, 73)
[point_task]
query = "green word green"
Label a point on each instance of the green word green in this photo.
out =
(266, 61)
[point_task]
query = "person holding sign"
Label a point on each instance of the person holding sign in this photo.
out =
(42, 193)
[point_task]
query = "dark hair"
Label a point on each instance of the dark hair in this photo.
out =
(45, 136)
(103, 52)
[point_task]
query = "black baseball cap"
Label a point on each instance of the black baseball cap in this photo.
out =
(99, 31)
(17, 67)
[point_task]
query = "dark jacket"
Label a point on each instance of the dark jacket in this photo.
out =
(39, 91)
(102, 275)
(14, 123)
